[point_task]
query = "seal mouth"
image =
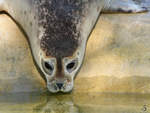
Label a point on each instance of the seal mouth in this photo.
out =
(64, 87)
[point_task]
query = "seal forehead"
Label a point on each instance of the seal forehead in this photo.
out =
(59, 19)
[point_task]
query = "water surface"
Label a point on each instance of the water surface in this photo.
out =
(74, 103)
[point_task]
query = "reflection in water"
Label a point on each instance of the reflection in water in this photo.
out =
(74, 103)
(57, 105)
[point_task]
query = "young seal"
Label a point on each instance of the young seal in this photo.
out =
(58, 31)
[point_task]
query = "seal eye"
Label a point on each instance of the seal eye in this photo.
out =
(71, 66)
(48, 67)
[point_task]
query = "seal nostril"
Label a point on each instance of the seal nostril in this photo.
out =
(59, 85)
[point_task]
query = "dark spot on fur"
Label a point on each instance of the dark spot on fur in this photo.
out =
(59, 18)
(130, 11)
(25, 12)
(34, 17)
(98, 8)
(30, 23)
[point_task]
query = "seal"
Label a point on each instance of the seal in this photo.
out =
(58, 31)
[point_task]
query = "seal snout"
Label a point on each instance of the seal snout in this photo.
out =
(59, 85)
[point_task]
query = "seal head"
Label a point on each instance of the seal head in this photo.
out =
(59, 34)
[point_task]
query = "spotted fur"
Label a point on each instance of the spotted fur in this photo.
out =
(59, 19)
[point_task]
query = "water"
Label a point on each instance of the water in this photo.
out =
(74, 103)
